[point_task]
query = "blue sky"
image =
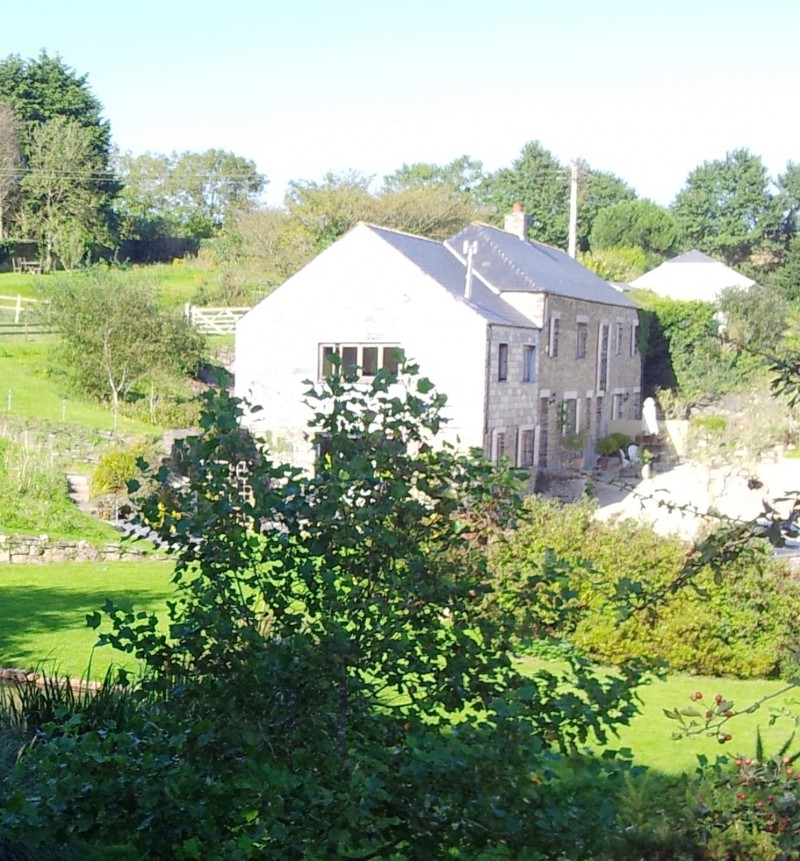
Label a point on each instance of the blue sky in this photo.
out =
(647, 90)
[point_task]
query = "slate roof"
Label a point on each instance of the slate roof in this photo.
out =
(509, 263)
(692, 276)
(438, 262)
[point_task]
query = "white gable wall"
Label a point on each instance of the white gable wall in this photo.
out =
(359, 291)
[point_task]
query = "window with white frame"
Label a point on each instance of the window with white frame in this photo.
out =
(617, 401)
(364, 359)
(529, 364)
(552, 344)
(526, 446)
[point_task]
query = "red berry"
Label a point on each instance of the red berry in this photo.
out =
(748, 761)
(790, 771)
(787, 760)
(738, 763)
(741, 795)
(709, 714)
(698, 695)
(728, 713)
(718, 699)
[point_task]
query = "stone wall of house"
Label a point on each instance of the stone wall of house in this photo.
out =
(32, 550)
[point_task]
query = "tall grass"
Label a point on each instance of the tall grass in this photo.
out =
(34, 495)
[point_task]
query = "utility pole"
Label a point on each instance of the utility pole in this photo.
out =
(573, 211)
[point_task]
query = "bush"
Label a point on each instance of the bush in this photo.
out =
(609, 446)
(745, 629)
(115, 469)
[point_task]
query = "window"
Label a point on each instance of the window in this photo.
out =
(569, 416)
(366, 359)
(529, 364)
(544, 428)
(555, 325)
(502, 362)
(635, 339)
(618, 330)
(526, 447)
(582, 340)
(616, 406)
(498, 444)
(602, 359)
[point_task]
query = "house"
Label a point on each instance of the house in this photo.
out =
(533, 350)
(692, 276)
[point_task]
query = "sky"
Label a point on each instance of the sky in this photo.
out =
(646, 89)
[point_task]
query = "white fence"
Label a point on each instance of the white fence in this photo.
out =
(214, 321)
(19, 315)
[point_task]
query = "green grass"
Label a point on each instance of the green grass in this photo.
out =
(19, 283)
(44, 608)
(37, 394)
(649, 735)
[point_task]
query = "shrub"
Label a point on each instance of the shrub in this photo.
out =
(608, 446)
(601, 572)
(115, 469)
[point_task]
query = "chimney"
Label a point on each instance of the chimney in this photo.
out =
(517, 222)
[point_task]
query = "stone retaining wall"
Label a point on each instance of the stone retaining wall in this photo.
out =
(28, 549)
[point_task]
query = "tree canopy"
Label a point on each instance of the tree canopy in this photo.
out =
(635, 223)
(728, 210)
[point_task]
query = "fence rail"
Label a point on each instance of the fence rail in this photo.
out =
(22, 316)
(214, 321)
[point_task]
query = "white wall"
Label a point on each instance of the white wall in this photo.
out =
(360, 290)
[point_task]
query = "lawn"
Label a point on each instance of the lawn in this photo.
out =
(29, 391)
(176, 283)
(44, 608)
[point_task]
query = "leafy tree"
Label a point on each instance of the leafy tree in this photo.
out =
(727, 208)
(462, 174)
(186, 194)
(635, 224)
(45, 90)
(597, 190)
(789, 195)
(538, 181)
(62, 207)
(786, 279)
(755, 319)
(337, 680)
(42, 89)
(9, 164)
(114, 335)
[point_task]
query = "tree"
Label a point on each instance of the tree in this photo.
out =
(597, 190)
(336, 678)
(114, 334)
(786, 279)
(62, 206)
(789, 195)
(45, 89)
(9, 164)
(727, 209)
(462, 174)
(538, 181)
(619, 263)
(187, 194)
(635, 224)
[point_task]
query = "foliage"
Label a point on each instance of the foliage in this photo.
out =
(46, 93)
(609, 445)
(726, 208)
(33, 495)
(184, 194)
(338, 681)
(683, 349)
(62, 207)
(463, 174)
(754, 319)
(786, 279)
(116, 468)
(618, 263)
(601, 577)
(635, 224)
(112, 339)
(597, 191)
(10, 164)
